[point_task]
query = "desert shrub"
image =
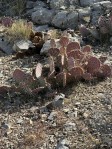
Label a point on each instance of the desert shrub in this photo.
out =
(20, 29)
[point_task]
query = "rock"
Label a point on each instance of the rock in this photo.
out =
(57, 4)
(63, 144)
(6, 47)
(86, 114)
(47, 46)
(42, 28)
(52, 116)
(5, 125)
(22, 45)
(66, 110)
(1, 75)
(56, 103)
(39, 3)
(65, 19)
(19, 121)
(94, 32)
(84, 3)
(111, 40)
(42, 16)
(84, 14)
(69, 126)
(30, 4)
(98, 9)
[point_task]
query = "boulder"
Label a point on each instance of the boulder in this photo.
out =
(66, 19)
(84, 3)
(22, 45)
(42, 16)
(57, 4)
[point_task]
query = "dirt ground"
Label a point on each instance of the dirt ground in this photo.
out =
(84, 121)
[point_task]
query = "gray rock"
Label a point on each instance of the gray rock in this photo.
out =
(39, 3)
(52, 116)
(85, 12)
(57, 4)
(6, 47)
(98, 9)
(84, 3)
(42, 28)
(22, 45)
(47, 46)
(65, 19)
(5, 125)
(1, 75)
(111, 40)
(69, 126)
(19, 121)
(63, 144)
(30, 4)
(42, 16)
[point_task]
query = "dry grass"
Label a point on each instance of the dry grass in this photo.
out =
(19, 30)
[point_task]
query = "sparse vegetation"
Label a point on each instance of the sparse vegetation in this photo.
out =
(20, 29)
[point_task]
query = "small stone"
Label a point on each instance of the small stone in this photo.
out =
(52, 116)
(70, 126)
(111, 40)
(1, 75)
(19, 121)
(77, 103)
(5, 125)
(86, 114)
(22, 45)
(63, 144)
(66, 110)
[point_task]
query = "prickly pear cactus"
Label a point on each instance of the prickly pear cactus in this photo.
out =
(72, 62)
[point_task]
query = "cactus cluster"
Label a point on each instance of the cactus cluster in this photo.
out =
(70, 62)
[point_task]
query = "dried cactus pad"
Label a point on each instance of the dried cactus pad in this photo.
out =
(19, 75)
(54, 52)
(38, 70)
(87, 76)
(77, 54)
(77, 72)
(87, 49)
(93, 64)
(106, 70)
(64, 41)
(72, 46)
(84, 31)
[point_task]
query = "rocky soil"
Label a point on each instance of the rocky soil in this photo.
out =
(80, 115)
(82, 120)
